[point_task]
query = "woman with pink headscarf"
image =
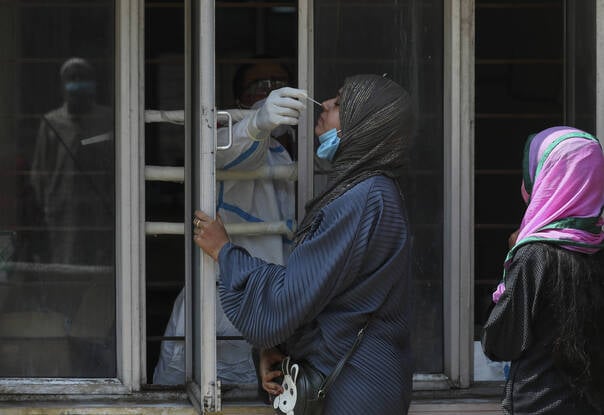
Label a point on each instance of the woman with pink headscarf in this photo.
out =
(548, 319)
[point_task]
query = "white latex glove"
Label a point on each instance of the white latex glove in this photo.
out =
(282, 107)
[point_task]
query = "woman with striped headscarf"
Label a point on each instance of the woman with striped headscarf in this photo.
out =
(549, 314)
(350, 266)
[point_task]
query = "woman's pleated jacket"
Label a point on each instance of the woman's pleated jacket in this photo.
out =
(353, 263)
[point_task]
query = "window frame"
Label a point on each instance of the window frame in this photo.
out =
(458, 136)
(458, 133)
(458, 141)
(458, 212)
(202, 384)
(458, 209)
(128, 224)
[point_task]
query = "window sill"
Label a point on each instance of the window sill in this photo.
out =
(482, 398)
(161, 403)
(428, 407)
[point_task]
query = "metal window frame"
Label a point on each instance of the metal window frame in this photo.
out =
(202, 385)
(459, 196)
(200, 125)
(130, 192)
(306, 63)
(458, 141)
(458, 132)
(129, 238)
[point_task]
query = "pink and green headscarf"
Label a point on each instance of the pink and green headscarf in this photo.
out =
(563, 187)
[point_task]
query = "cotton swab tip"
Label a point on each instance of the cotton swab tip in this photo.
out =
(316, 102)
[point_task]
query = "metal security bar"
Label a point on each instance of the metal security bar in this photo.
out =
(177, 174)
(248, 228)
(178, 116)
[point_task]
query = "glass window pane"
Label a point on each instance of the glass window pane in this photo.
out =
(581, 65)
(57, 216)
(165, 201)
(404, 40)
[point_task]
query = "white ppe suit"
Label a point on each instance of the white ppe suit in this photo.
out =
(237, 202)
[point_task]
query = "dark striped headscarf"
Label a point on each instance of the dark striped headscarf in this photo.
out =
(376, 119)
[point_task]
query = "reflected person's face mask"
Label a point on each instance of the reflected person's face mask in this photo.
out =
(329, 144)
(80, 87)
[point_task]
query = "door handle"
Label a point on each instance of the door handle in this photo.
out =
(230, 127)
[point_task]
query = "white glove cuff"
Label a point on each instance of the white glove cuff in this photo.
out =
(253, 132)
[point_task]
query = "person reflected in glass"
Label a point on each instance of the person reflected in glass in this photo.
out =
(350, 264)
(73, 172)
(547, 318)
(73, 183)
(262, 134)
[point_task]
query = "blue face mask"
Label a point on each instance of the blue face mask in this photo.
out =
(329, 144)
(81, 87)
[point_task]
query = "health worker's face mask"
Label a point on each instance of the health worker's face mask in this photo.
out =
(80, 87)
(329, 144)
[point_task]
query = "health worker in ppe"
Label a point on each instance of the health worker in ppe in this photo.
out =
(262, 136)
(74, 180)
(73, 184)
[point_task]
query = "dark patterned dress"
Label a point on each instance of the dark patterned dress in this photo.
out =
(522, 328)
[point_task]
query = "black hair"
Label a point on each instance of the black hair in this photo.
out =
(577, 291)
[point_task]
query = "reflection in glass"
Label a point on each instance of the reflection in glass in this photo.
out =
(57, 284)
